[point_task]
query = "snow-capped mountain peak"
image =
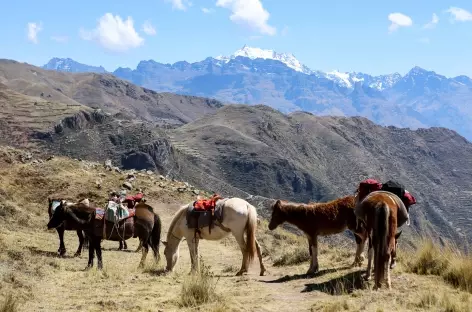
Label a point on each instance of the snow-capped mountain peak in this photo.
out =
(253, 53)
(69, 65)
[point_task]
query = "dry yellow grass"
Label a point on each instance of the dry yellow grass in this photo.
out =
(448, 262)
(34, 279)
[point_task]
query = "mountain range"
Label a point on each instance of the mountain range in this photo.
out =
(418, 99)
(250, 151)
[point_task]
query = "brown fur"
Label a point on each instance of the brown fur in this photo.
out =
(316, 219)
(66, 226)
(82, 217)
(380, 214)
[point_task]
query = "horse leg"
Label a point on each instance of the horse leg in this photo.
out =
(359, 258)
(86, 240)
(387, 264)
(370, 254)
(121, 245)
(140, 246)
(91, 253)
(125, 246)
(62, 247)
(98, 250)
(81, 243)
(314, 257)
(192, 247)
(242, 246)
(144, 252)
(259, 254)
(311, 252)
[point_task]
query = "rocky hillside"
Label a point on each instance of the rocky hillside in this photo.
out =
(103, 91)
(238, 149)
(302, 157)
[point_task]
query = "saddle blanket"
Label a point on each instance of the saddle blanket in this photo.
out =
(197, 218)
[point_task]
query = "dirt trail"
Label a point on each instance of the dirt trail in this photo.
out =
(121, 286)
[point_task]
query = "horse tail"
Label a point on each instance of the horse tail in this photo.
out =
(156, 231)
(382, 216)
(251, 227)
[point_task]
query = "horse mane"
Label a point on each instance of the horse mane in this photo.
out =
(287, 206)
(175, 219)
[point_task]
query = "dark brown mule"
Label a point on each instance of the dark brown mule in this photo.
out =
(378, 212)
(320, 219)
(84, 217)
(67, 226)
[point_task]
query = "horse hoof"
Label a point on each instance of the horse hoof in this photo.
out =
(240, 273)
(262, 273)
(77, 254)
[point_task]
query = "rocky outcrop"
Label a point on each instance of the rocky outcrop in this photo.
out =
(158, 155)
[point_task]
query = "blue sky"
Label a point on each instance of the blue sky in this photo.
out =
(339, 34)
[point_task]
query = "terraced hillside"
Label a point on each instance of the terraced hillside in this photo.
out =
(103, 91)
(303, 157)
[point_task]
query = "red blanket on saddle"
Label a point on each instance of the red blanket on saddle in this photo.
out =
(368, 186)
(371, 185)
(206, 204)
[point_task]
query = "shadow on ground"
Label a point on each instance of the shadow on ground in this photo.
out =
(51, 254)
(342, 285)
(288, 278)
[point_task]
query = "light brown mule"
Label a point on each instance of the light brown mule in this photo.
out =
(378, 212)
(320, 219)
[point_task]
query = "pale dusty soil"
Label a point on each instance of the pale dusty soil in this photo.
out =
(54, 284)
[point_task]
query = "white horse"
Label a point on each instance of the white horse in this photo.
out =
(239, 216)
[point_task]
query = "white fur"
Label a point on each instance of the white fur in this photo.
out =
(236, 213)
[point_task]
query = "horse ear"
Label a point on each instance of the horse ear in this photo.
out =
(277, 204)
(398, 234)
(49, 200)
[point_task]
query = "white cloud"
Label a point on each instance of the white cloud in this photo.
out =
(250, 13)
(149, 29)
(180, 4)
(207, 10)
(459, 14)
(434, 21)
(33, 30)
(114, 33)
(61, 39)
(398, 20)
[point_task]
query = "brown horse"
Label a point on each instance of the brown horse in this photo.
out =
(378, 212)
(320, 219)
(146, 226)
(66, 226)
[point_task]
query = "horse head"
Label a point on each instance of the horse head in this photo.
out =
(64, 212)
(277, 216)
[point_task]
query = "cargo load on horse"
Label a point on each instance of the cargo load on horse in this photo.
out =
(204, 212)
(405, 198)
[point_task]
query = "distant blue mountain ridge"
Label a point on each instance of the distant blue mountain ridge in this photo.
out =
(419, 99)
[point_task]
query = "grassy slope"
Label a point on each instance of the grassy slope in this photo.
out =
(37, 280)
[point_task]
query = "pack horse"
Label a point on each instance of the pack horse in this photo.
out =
(382, 209)
(213, 219)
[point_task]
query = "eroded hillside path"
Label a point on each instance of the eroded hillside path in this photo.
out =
(121, 286)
